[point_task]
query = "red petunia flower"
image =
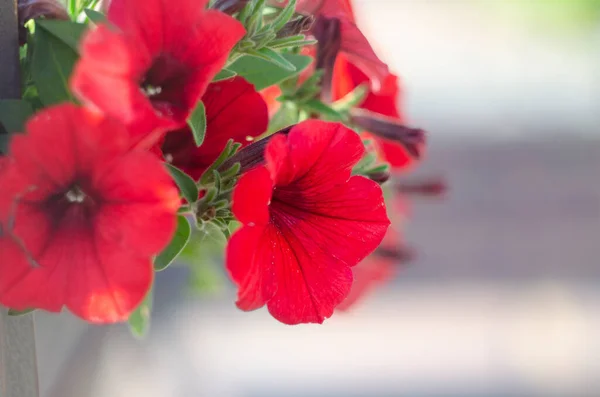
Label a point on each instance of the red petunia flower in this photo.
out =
(151, 72)
(81, 217)
(346, 77)
(234, 110)
(354, 43)
(306, 222)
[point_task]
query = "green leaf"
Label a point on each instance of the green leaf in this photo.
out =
(139, 320)
(51, 67)
(224, 74)
(13, 312)
(177, 244)
(14, 113)
(316, 106)
(263, 73)
(186, 184)
(212, 234)
(291, 41)
(229, 150)
(284, 16)
(66, 31)
(197, 123)
(286, 115)
(274, 57)
(95, 16)
(352, 99)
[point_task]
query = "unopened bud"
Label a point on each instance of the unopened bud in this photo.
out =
(401, 254)
(433, 187)
(379, 177)
(413, 139)
(252, 155)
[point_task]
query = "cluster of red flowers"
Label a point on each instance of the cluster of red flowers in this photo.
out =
(87, 202)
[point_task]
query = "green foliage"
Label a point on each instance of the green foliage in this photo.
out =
(197, 123)
(315, 106)
(262, 39)
(68, 32)
(177, 244)
(14, 113)
(217, 184)
(53, 58)
(95, 16)
(351, 100)
(186, 184)
(262, 73)
(370, 165)
(273, 57)
(287, 115)
(224, 74)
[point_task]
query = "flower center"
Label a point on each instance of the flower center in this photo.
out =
(72, 204)
(75, 195)
(151, 91)
(167, 75)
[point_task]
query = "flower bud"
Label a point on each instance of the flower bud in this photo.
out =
(431, 187)
(413, 139)
(252, 155)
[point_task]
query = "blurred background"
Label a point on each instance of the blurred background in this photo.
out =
(503, 298)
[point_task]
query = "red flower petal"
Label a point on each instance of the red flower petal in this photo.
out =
(252, 196)
(317, 155)
(310, 282)
(395, 154)
(175, 61)
(347, 76)
(234, 110)
(321, 223)
(354, 43)
(107, 78)
(111, 282)
(94, 213)
(356, 46)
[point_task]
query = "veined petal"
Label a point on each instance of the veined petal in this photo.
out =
(321, 222)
